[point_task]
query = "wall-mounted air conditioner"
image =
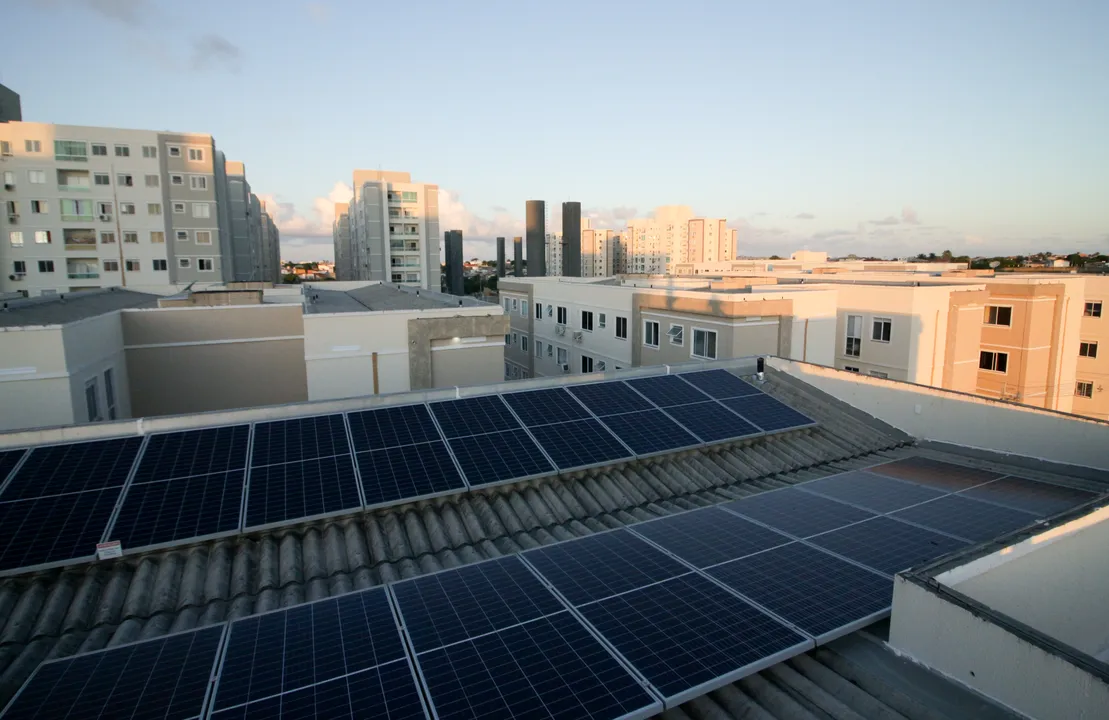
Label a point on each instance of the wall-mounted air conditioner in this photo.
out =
(105, 218)
(600, 366)
(564, 368)
(560, 329)
(577, 336)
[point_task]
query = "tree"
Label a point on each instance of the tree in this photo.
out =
(947, 256)
(290, 279)
(491, 283)
(775, 257)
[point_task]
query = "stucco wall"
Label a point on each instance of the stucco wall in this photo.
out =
(34, 382)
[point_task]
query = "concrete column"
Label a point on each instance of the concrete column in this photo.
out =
(500, 257)
(518, 256)
(536, 234)
(571, 239)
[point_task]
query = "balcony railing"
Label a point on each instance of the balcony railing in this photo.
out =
(70, 218)
(83, 275)
(72, 158)
(73, 188)
(80, 245)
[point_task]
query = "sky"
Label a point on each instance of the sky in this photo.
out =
(876, 128)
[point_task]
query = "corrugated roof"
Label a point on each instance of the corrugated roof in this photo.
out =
(71, 307)
(62, 612)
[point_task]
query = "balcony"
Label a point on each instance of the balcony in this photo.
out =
(75, 218)
(73, 188)
(83, 275)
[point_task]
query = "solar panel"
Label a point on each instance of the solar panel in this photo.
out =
(719, 384)
(712, 422)
(601, 565)
(473, 416)
(579, 443)
(873, 492)
(887, 545)
(283, 651)
(300, 490)
(543, 407)
(193, 452)
(688, 635)
(769, 414)
(163, 678)
(609, 398)
(8, 460)
(1019, 493)
(551, 667)
(934, 473)
(56, 469)
(190, 507)
(449, 606)
(650, 431)
(967, 518)
(285, 441)
(709, 536)
(798, 513)
(667, 390)
(499, 457)
(391, 427)
(408, 472)
(54, 528)
(817, 592)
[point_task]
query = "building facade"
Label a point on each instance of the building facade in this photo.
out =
(554, 246)
(340, 236)
(394, 229)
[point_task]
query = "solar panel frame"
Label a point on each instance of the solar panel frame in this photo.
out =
(1041, 498)
(545, 406)
(642, 430)
(767, 413)
(719, 384)
(10, 460)
(392, 426)
(329, 432)
(879, 544)
(379, 491)
(609, 398)
(965, 517)
(221, 440)
(41, 520)
(350, 493)
(459, 417)
(712, 422)
(580, 444)
(877, 493)
(709, 536)
(667, 390)
(101, 463)
(796, 513)
(474, 455)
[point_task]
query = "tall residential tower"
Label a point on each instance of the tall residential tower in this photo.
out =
(394, 229)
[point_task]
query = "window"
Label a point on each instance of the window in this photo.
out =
(12, 207)
(101, 179)
(39, 207)
(46, 266)
(149, 151)
(549, 310)
(993, 361)
(523, 308)
(524, 343)
(1093, 309)
(198, 182)
(550, 350)
(19, 267)
(131, 265)
(676, 333)
(178, 208)
(131, 237)
(601, 320)
(621, 327)
(160, 264)
(110, 393)
(538, 311)
(201, 210)
(849, 368)
(409, 197)
(879, 374)
(157, 237)
(152, 181)
(515, 303)
(98, 149)
(650, 333)
(854, 335)
(1087, 349)
(107, 238)
(153, 208)
(586, 364)
(507, 303)
(32, 146)
(587, 320)
(182, 235)
(42, 237)
(35, 177)
(123, 151)
(125, 180)
(127, 208)
(90, 401)
(9, 178)
(203, 237)
(184, 263)
(1084, 389)
(561, 356)
(881, 330)
(205, 264)
(15, 237)
(562, 314)
(515, 338)
(173, 150)
(997, 315)
(111, 266)
(5, 147)
(177, 179)
(103, 208)
(196, 155)
(538, 349)
(704, 344)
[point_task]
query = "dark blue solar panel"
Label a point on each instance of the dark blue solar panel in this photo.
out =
(887, 545)
(649, 431)
(193, 452)
(499, 457)
(543, 407)
(601, 565)
(159, 512)
(8, 460)
(719, 384)
(933, 473)
(410, 471)
(551, 667)
(301, 489)
(609, 398)
(689, 634)
(56, 469)
(1019, 493)
(817, 592)
(712, 422)
(873, 492)
(449, 606)
(798, 513)
(54, 528)
(579, 443)
(967, 518)
(667, 390)
(307, 644)
(163, 678)
(391, 427)
(299, 439)
(709, 536)
(473, 416)
(768, 414)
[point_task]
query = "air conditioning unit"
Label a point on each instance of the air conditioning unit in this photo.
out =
(17, 276)
(564, 368)
(600, 366)
(13, 219)
(577, 336)
(105, 218)
(560, 329)
(9, 186)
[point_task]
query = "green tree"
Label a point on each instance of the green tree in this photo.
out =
(775, 257)
(290, 279)
(947, 255)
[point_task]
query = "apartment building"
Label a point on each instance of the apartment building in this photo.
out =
(654, 243)
(271, 246)
(10, 106)
(394, 229)
(709, 240)
(87, 207)
(340, 236)
(554, 246)
(598, 252)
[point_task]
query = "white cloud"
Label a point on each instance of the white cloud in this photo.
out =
(318, 221)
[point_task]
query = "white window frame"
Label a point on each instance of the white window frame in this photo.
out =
(177, 179)
(1092, 308)
(523, 308)
(586, 360)
(177, 235)
(150, 151)
(178, 208)
(602, 320)
(588, 327)
(198, 182)
(173, 151)
(123, 151)
(524, 343)
(550, 350)
(515, 338)
(15, 238)
(127, 208)
(538, 311)
(879, 374)
(165, 265)
(852, 344)
(715, 344)
(1080, 385)
(646, 334)
(197, 234)
(994, 365)
(851, 368)
(202, 210)
(32, 146)
(676, 338)
(200, 265)
(562, 356)
(538, 348)
(563, 315)
(875, 322)
(110, 392)
(184, 263)
(32, 174)
(620, 319)
(993, 314)
(1090, 348)
(132, 265)
(92, 400)
(196, 154)
(111, 266)
(515, 304)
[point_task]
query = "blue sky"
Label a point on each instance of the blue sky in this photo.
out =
(871, 127)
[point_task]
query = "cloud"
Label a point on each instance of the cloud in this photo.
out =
(908, 216)
(831, 234)
(804, 216)
(609, 218)
(319, 12)
(888, 220)
(316, 223)
(215, 50)
(128, 12)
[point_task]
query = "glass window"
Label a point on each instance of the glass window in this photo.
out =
(881, 331)
(91, 402)
(676, 333)
(203, 237)
(524, 343)
(179, 208)
(157, 237)
(111, 266)
(205, 264)
(177, 179)
(198, 182)
(184, 263)
(650, 333)
(152, 181)
(1084, 389)
(523, 308)
(101, 179)
(587, 320)
(562, 315)
(149, 151)
(15, 237)
(586, 364)
(73, 151)
(131, 237)
(32, 146)
(1093, 309)
(854, 335)
(19, 267)
(996, 315)
(196, 154)
(201, 210)
(110, 393)
(46, 266)
(153, 208)
(107, 238)
(123, 151)
(36, 177)
(174, 150)
(621, 327)
(160, 264)
(704, 344)
(1087, 349)
(993, 361)
(131, 265)
(42, 237)
(538, 311)
(601, 320)
(561, 356)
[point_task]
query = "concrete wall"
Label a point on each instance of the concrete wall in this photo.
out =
(1095, 370)
(94, 347)
(34, 380)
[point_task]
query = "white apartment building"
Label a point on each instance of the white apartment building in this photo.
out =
(673, 237)
(553, 244)
(597, 252)
(340, 236)
(394, 229)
